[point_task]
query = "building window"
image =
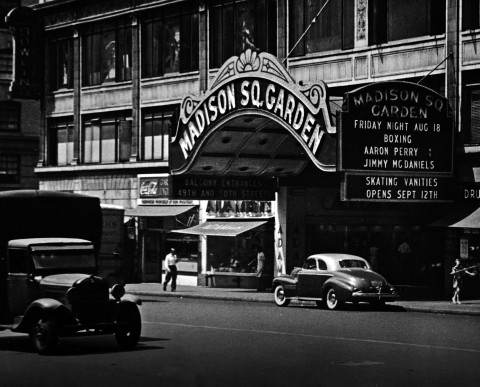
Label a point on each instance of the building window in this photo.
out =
(107, 139)
(107, 52)
(156, 134)
(470, 15)
(391, 20)
(60, 71)
(60, 132)
(333, 29)
(473, 135)
(170, 40)
(236, 25)
(9, 169)
(9, 116)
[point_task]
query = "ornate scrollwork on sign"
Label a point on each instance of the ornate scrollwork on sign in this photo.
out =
(188, 107)
(315, 94)
(271, 67)
(227, 71)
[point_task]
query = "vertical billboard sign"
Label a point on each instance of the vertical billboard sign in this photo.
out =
(27, 56)
(396, 143)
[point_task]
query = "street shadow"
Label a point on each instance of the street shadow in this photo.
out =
(364, 307)
(348, 306)
(79, 346)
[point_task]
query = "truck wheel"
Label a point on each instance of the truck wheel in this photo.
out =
(129, 329)
(279, 295)
(44, 334)
(331, 300)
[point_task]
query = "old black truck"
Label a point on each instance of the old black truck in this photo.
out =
(49, 286)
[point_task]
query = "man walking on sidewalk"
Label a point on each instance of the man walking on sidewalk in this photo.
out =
(170, 270)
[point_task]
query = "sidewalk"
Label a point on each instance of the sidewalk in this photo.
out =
(152, 290)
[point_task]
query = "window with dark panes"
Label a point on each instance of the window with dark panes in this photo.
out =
(333, 29)
(170, 40)
(391, 20)
(9, 116)
(474, 110)
(238, 25)
(9, 169)
(106, 139)
(60, 131)
(60, 71)
(156, 127)
(470, 14)
(107, 52)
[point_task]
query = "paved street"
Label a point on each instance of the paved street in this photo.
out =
(201, 342)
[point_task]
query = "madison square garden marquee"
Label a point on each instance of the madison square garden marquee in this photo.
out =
(258, 127)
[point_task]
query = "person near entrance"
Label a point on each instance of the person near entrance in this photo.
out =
(260, 268)
(458, 273)
(171, 270)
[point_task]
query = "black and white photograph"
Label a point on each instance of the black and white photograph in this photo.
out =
(235, 193)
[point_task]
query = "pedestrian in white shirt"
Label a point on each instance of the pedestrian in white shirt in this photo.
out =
(170, 270)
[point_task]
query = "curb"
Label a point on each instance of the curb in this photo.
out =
(406, 306)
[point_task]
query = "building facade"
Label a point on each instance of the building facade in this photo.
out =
(117, 74)
(19, 116)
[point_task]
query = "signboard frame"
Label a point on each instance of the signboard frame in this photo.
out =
(391, 134)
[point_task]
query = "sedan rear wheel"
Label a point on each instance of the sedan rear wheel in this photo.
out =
(331, 300)
(279, 295)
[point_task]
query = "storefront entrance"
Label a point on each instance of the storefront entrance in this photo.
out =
(152, 255)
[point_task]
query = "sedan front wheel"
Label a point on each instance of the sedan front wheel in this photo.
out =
(279, 295)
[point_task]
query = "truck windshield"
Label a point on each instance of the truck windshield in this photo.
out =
(64, 259)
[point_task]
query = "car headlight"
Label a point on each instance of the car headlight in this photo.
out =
(117, 291)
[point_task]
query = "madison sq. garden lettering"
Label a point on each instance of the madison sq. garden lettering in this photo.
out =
(255, 94)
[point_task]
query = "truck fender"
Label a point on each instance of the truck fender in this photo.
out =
(343, 290)
(131, 298)
(44, 305)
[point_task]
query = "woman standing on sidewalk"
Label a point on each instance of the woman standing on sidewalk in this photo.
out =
(458, 273)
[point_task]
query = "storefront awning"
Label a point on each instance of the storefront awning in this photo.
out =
(230, 229)
(151, 211)
(465, 217)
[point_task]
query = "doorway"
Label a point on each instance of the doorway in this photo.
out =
(152, 255)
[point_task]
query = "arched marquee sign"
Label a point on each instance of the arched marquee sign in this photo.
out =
(256, 84)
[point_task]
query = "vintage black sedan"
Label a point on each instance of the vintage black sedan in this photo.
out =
(331, 280)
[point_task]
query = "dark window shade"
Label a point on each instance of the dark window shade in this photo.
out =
(348, 12)
(475, 117)
(297, 27)
(470, 15)
(377, 25)
(125, 138)
(437, 17)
